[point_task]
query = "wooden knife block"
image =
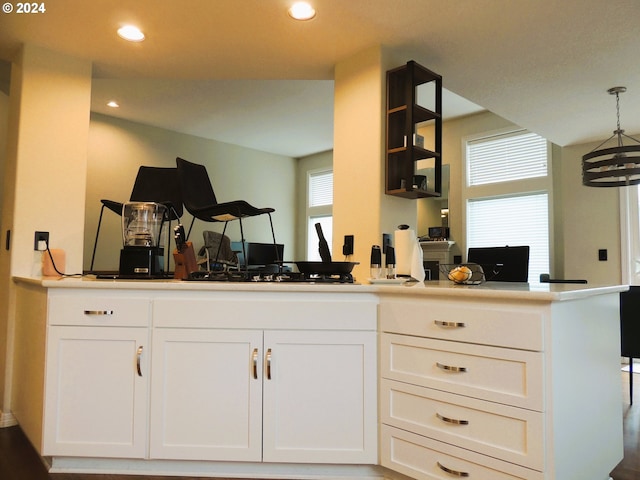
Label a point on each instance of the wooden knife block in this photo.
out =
(185, 262)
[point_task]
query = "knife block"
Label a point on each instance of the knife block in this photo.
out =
(185, 261)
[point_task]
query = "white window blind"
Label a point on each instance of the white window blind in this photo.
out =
(320, 188)
(514, 221)
(506, 157)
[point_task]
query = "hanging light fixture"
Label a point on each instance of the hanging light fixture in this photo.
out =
(616, 166)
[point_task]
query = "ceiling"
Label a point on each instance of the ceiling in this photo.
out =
(245, 73)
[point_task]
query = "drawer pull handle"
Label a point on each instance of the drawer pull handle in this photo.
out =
(450, 368)
(98, 312)
(442, 323)
(138, 361)
(455, 473)
(254, 360)
(268, 364)
(453, 421)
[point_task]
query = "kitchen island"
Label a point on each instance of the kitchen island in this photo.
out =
(267, 380)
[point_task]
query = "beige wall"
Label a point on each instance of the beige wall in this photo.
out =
(360, 206)
(4, 119)
(590, 219)
(44, 176)
(117, 148)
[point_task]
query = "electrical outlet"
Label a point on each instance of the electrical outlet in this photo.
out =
(347, 248)
(40, 236)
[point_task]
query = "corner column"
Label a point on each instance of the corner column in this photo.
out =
(360, 205)
(45, 178)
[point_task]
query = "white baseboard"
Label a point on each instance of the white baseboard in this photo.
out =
(215, 469)
(7, 420)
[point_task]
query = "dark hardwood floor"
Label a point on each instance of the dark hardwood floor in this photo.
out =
(19, 461)
(629, 467)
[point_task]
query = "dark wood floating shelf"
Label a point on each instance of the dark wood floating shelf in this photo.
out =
(413, 193)
(404, 115)
(418, 152)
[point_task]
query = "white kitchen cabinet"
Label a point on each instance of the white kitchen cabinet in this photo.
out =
(206, 398)
(209, 386)
(500, 390)
(96, 388)
(225, 390)
(528, 387)
(319, 397)
(97, 377)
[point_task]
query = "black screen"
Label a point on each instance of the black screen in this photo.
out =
(511, 263)
(259, 254)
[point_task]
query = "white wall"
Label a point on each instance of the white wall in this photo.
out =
(117, 148)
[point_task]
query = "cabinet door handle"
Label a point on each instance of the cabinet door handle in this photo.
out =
(450, 368)
(254, 363)
(138, 360)
(453, 421)
(455, 473)
(268, 364)
(441, 323)
(98, 312)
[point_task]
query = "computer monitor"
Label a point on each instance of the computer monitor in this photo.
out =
(258, 254)
(512, 263)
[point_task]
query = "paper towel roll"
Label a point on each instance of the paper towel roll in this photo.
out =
(403, 244)
(408, 253)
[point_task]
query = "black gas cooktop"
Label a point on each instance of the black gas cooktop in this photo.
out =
(268, 277)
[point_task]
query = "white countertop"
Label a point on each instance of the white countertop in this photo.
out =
(543, 292)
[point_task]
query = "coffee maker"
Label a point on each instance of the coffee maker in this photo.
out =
(142, 255)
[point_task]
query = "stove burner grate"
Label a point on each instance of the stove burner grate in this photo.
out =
(269, 277)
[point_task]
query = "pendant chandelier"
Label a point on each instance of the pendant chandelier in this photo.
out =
(616, 166)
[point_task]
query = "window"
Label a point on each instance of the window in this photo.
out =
(319, 210)
(506, 157)
(508, 195)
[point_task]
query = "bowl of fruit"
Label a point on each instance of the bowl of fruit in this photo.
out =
(466, 273)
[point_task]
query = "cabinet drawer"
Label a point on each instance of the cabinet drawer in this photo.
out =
(512, 377)
(260, 312)
(508, 433)
(426, 459)
(99, 310)
(517, 326)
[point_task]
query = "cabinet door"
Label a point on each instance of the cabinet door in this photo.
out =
(96, 392)
(320, 397)
(206, 394)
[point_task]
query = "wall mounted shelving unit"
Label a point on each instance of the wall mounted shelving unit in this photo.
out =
(404, 115)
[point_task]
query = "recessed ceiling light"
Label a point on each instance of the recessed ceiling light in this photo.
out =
(131, 33)
(302, 11)
(113, 104)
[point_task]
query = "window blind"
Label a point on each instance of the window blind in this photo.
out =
(506, 157)
(321, 188)
(513, 221)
